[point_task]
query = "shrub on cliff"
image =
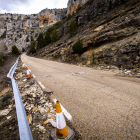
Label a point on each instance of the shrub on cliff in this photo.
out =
(32, 47)
(15, 50)
(79, 7)
(47, 39)
(78, 47)
(55, 37)
(3, 58)
(91, 24)
(3, 35)
(27, 39)
(40, 41)
(23, 49)
(32, 38)
(68, 17)
(72, 28)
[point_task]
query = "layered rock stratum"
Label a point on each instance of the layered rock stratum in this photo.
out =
(109, 31)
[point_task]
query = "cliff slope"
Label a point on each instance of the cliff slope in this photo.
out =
(109, 31)
(18, 27)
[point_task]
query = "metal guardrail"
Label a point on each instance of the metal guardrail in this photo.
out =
(24, 128)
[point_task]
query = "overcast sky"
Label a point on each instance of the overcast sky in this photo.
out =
(30, 6)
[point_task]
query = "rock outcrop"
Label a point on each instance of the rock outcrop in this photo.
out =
(110, 36)
(73, 5)
(19, 26)
(51, 16)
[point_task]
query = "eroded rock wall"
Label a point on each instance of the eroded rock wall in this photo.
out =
(109, 36)
(73, 5)
(51, 16)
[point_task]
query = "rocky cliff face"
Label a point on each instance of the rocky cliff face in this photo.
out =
(109, 31)
(18, 26)
(73, 5)
(51, 16)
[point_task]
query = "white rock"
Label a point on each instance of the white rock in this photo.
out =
(8, 117)
(4, 112)
(26, 86)
(33, 89)
(24, 80)
(33, 95)
(53, 123)
(42, 129)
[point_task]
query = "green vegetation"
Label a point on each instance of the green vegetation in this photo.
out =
(32, 47)
(68, 17)
(78, 8)
(47, 39)
(91, 24)
(3, 58)
(6, 48)
(40, 41)
(55, 37)
(110, 5)
(51, 35)
(23, 49)
(15, 39)
(27, 39)
(36, 35)
(15, 50)
(32, 38)
(5, 99)
(78, 47)
(72, 28)
(3, 35)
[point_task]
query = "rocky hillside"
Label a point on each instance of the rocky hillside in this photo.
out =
(109, 31)
(73, 5)
(15, 28)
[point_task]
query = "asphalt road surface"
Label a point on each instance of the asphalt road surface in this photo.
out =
(102, 106)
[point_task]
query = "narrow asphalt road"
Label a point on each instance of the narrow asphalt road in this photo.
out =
(103, 106)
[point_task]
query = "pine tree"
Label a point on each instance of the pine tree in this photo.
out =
(72, 28)
(15, 50)
(40, 41)
(55, 37)
(47, 39)
(27, 39)
(32, 47)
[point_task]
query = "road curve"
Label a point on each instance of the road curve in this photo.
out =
(103, 106)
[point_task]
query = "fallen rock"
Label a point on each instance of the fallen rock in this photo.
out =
(8, 117)
(26, 86)
(4, 112)
(45, 122)
(24, 80)
(42, 129)
(53, 123)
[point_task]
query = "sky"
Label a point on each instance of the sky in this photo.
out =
(30, 6)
